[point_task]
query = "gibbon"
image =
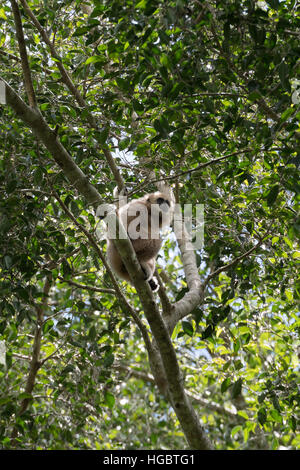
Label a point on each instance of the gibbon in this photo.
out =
(142, 218)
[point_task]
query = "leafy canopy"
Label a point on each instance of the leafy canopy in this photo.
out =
(174, 85)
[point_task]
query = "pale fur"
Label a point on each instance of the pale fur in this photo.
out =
(158, 208)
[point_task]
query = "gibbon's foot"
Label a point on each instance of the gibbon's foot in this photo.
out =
(151, 280)
(153, 284)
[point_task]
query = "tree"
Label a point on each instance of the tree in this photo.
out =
(204, 96)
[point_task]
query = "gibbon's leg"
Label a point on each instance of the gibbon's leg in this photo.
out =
(146, 250)
(116, 262)
(148, 268)
(117, 265)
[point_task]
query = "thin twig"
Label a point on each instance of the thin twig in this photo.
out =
(225, 267)
(192, 170)
(165, 302)
(85, 287)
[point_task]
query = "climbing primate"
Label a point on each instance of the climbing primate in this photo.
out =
(143, 218)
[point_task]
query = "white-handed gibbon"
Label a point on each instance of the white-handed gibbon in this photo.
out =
(143, 218)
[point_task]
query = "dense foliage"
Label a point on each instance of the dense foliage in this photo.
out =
(174, 86)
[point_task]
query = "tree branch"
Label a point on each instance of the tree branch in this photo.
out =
(233, 262)
(9, 56)
(189, 421)
(94, 244)
(23, 54)
(165, 302)
(210, 406)
(192, 170)
(34, 119)
(194, 296)
(152, 350)
(35, 363)
(85, 287)
(184, 306)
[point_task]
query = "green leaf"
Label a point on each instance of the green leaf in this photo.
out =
(236, 388)
(109, 399)
(124, 143)
(207, 332)
(236, 345)
(108, 360)
(23, 293)
(74, 208)
(24, 396)
(283, 71)
(142, 4)
(2, 14)
(84, 249)
(81, 31)
(187, 328)
(275, 415)
(38, 176)
(287, 113)
(93, 59)
(292, 423)
(160, 126)
(123, 84)
(102, 135)
(272, 195)
(225, 384)
(92, 333)
(11, 186)
(48, 325)
(262, 416)
(165, 61)
(254, 95)
(66, 268)
(275, 402)
(243, 414)
(236, 429)
(8, 261)
(181, 293)
(273, 4)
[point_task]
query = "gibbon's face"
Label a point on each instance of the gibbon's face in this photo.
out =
(161, 209)
(159, 199)
(164, 204)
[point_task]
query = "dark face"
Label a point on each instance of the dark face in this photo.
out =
(164, 204)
